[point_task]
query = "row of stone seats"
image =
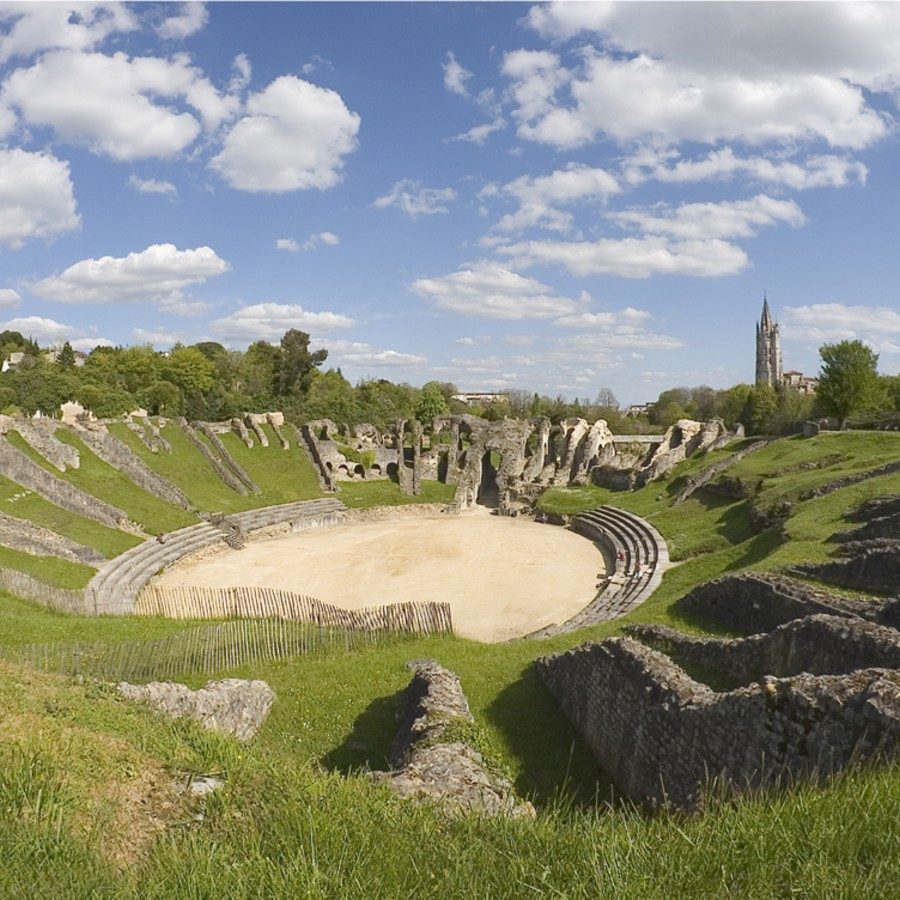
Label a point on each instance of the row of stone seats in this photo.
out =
(636, 556)
(115, 587)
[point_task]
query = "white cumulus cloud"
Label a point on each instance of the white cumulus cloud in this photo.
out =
(191, 18)
(294, 136)
(153, 186)
(358, 353)
(291, 245)
(37, 197)
(9, 299)
(631, 257)
(32, 27)
(703, 221)
(539, 197)
(486, 289)
(49, 331)
(269, 321)
(414, 200)
(109, 103)
(455, 75)
(158, 274)
(722, 165)
(817, 322)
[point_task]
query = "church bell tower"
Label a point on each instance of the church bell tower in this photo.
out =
(768, 349)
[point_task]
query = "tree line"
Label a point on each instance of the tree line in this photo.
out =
(210, 382)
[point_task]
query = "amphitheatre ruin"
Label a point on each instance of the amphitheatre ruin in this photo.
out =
(465, 547)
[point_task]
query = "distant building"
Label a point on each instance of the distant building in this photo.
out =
(638, 409)
(52, 356)
(768, 349)
(480, 397)
(13, 361)
(799, 382)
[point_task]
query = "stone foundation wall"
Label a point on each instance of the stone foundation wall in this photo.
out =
(869, 568)
(661, 736)
(16, 466)
(40, 436)
(428, 766)
(820, 645)
(118, 455)
(20, 534)
(218, 467)
(754, 602)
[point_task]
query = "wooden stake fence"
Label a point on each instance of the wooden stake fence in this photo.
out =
(23, 585)
(206, 649)
(189, 602)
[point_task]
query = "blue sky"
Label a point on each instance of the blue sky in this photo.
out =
(543, 197)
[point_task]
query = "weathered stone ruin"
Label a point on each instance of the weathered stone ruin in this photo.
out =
(20, 534)
(502, 464)
(754, 602)
(445, 770)
(662, 736)
(233, 706)
(818, 644)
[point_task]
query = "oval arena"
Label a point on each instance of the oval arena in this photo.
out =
(502, 577)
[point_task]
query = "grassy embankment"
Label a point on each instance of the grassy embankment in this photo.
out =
(292, 821)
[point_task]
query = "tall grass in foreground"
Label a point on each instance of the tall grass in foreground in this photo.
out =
(298, 832)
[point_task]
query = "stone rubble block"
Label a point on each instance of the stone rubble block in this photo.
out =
(232, 706)
(448, 772)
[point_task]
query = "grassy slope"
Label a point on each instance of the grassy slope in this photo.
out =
(103, 481)
(17, 501)
(362, 494)
(288, 827)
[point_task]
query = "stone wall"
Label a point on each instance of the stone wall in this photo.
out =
(40, 435)
(18, 467)
(705, 476)
(446, 770)
(121, 457)
(870, 566)
(218, 466)
(661, 735)
(819, 644)
(20, 534)
(753, 602)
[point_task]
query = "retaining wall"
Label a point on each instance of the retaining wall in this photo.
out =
(661, 736)
(18, 467)
(753, 602)
(820, 645)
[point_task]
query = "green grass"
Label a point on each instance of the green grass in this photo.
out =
(100, 480)
(363, 494)
(49, 569)
(283, 475)
(109, 541)
(299, 818)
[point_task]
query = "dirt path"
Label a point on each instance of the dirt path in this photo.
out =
(502, 577)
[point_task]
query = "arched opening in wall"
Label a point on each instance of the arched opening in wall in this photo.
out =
(359, 471)
(323, 433)
(344, 470)
(330, 467)
(375, 469)
(393, 472)
(442, 466)
(488, 489)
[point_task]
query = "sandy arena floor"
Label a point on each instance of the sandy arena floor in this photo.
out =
(502, 577)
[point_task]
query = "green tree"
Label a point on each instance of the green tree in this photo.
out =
(296, 364)
(848, 381)
(733, 405)
(762, 406)
(103, 401)
(432, 402)
(189, 370)
(163, 398)
(66, 358)
(330, 396)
